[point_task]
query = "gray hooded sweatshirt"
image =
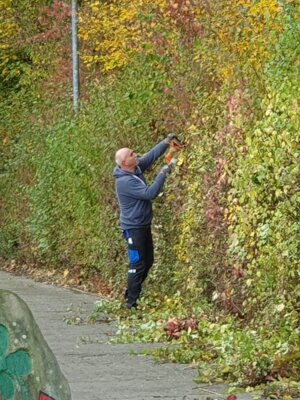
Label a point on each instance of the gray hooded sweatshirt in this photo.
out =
(133, 194)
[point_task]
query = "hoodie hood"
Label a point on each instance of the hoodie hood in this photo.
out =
(118, 172)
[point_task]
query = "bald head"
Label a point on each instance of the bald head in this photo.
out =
(121, 155)
(126, 159)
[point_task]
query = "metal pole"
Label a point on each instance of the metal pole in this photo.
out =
(75, 67)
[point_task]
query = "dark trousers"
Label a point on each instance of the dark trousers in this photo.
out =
(140, 255)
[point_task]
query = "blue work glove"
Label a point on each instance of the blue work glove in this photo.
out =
(172, 162)
(168, 168)
(165, 169)
(171, 136)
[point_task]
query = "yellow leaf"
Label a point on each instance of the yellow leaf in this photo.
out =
(191, 128)
(180, 160)
(170, 197)
(66, 273)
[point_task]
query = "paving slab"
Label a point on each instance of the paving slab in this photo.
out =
(95, 368)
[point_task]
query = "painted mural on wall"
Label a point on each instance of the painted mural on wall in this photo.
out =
(28, 368)
(13, 368)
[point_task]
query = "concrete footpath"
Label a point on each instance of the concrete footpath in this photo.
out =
(94, 368)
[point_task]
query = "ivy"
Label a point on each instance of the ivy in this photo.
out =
(224, 76)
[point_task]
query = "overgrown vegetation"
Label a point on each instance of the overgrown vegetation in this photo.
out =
(225, 77)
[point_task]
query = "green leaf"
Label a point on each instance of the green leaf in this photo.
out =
(19, 363)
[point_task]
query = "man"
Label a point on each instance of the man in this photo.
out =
(134, 198)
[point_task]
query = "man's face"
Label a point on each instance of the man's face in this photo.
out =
(130, 159)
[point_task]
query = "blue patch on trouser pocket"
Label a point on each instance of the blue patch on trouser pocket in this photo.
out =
(133, 256)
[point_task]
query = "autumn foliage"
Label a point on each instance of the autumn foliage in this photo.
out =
(222, 75)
